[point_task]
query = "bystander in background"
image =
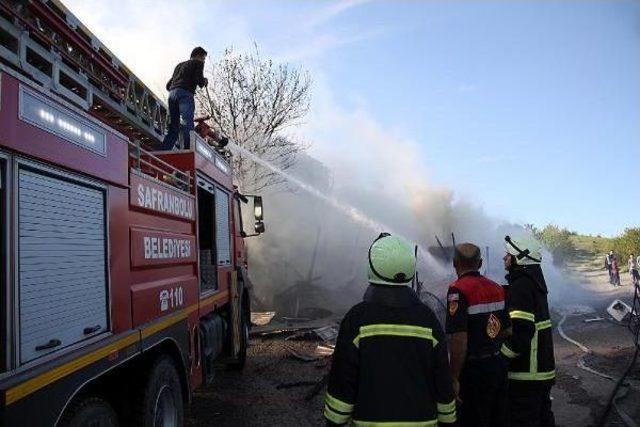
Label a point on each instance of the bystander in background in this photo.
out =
(615, 271)
(633, 270)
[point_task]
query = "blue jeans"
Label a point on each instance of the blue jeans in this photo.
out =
(181, 105)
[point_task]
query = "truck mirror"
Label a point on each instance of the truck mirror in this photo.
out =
(259, 227)
(257, 208)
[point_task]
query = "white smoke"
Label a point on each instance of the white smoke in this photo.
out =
(313, 243)
(314, 253)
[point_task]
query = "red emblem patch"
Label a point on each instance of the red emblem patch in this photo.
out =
(493, 326)
(453, 307)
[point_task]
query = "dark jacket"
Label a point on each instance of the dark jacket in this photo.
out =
(390, 363)
(476, 305)
(187, 75)
(530, 348)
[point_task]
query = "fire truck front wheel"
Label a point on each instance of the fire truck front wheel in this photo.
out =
(160, 402)
(239, 363)
(89, 411)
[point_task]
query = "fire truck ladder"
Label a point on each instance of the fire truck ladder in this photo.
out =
(41, 39)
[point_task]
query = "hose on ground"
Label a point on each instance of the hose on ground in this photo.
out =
(614, 395)
(571, 340)
(582, 365)
(625, 418)
(581, 362)
(611, 402)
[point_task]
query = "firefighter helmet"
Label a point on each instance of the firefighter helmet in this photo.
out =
(526, 251)
(391, 261)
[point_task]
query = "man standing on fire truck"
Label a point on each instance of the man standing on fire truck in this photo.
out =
(182, 88)
(390, 363)
(477, 321)
(530, 347)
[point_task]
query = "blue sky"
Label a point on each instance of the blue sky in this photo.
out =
(528, 109)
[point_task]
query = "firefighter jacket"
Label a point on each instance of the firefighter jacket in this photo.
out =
(530, 347)
(390, 365)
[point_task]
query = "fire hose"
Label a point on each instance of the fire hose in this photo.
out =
(613, 399)
(581, 362)
(614, 395)
(634, 327)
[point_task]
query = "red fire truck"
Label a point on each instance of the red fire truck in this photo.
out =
(123, 281)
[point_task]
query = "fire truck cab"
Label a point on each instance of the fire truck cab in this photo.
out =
(123, 276)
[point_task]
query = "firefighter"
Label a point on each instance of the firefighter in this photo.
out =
(476, 323)
(390, 363)
(530, 347)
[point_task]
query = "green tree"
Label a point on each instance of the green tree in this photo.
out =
(256, 102)
(627, 243)
(557, 240)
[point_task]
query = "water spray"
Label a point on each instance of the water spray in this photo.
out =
(351, 211)
(354, 213)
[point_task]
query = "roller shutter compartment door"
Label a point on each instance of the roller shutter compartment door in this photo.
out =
(223, 239)
(62, 263)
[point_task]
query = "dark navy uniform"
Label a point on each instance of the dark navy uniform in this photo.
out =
(390, 365)
(476, 305)
(530, 348)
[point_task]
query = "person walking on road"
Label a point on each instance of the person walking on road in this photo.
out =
(477, 322)
(390, 364)
(182, 88)
(633, 270)
(615, 271)
(607, 266)
(530, 348)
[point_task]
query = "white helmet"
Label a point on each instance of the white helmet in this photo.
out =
(392, 261)
(527, 250)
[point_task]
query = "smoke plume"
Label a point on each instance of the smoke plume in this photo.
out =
(312, 259)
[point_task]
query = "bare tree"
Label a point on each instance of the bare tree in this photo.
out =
(255, 102)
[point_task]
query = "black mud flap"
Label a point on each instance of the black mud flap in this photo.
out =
(236, 291)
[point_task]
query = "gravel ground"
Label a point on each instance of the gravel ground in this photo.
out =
(580, 396)
(256, 397)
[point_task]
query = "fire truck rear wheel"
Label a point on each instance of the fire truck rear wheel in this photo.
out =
(160, 402)
(89, 411)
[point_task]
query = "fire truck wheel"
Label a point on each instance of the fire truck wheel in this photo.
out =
(160, 401)
(238, 365)
(89, 411)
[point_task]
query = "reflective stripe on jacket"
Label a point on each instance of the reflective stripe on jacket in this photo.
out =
(530, 347)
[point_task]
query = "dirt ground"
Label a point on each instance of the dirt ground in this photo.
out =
(265, 393)
(580, 396)
(276, 389)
